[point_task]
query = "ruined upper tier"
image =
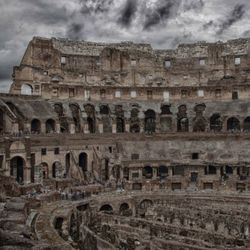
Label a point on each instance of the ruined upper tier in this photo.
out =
(59, 68)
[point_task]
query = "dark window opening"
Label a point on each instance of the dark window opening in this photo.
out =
(150, 94)
(208, 185)
(233, 124)
(195, 156)
(148, 172)
(44, 151)
(57, 151)
(229, 170)
(135, 175)
(1, 161)
(83, 162)
(210, 170)
(235, 95)
(135, 156)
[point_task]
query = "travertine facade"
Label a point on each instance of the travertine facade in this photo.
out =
(128, 116)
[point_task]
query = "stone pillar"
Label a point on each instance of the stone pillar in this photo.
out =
(157, 123)
(154, 172)
(15, 128)
(100, 127)
(170, 171)
(72, 129)
(43, 128)
(58, 128)
(141, 116)
(127, 127)
(86, 128)
(7, 167)
(27, 171)
(113, 128)
(224, 125)
(27, 127)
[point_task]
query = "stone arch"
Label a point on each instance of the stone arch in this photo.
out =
(106, 119)
(56, 169)
(17, 165)
(182, 119)
(146, 203)
(246, 124)
(106, 208)
(120, 121)
(149, 122)
(165, 110)
(147, 172)
(35, 126)
(64, 126)
(44, 170)
(50, 126)
(215, 122)
(134, 121)
(58, 224)
(233, 124)
(91, 120)
(124, 207)
(75, 110)
(83, 161)
(163, 171)
(26, 89)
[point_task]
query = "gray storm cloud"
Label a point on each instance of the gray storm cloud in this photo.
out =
(163, 23)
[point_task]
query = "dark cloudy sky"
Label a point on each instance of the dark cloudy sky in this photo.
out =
(163, 23)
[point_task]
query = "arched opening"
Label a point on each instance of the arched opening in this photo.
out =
(148, 172)
(50, 126)
(233, 124)
(120, 121)
(229, 170)
(58, 225)
(35, 126)
(150, 124)
(163, 172)
(45, 170)
(124, 208)
(16, 168)
(67, 163)
(75, 110)
(104, 110)
(182, 120)
(246, 124)
(120, 125)
(56, 169)
(106, 208)
(134, 121)
(26, 89)
(165, 110)
(64, 126)
(83, 161)
(146, 204)
(90, 111)
(215, 123)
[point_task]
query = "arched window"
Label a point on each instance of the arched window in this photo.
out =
(246, 125)
(83, 161)
(215, 122)
(146, 204)
(50, 126)
(16, 168)
(148, 172)
(75, 110)
(26, 89)
(90, 111)
(67, 163)
(134, 121)
(35, 126)
(56, 169)
(124, 207)
(163, 172)
(106, 208)
(150, 124)
(120, 125)
(45, 170)
(233, 124)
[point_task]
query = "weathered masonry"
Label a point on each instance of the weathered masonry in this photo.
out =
(128, 114)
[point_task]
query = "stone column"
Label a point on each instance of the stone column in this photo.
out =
(113, 128)
(27, 171)
(86, 128)
(72, 129)
(43, 128)
(58, 128)
(100, 127)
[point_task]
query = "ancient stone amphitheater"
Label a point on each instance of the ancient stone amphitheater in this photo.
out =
(121, 146)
